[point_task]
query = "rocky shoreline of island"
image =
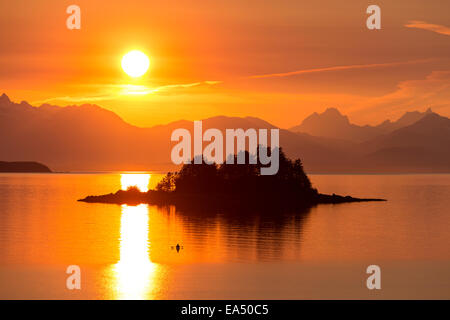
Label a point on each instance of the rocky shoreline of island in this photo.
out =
(133, 196)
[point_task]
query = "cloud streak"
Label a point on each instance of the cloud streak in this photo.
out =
(429, 27)
(336, 68)
(115, 91)
(432, 91)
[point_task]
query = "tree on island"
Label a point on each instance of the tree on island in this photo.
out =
(244, 180)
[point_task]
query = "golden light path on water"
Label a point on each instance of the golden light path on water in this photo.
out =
(134, 272)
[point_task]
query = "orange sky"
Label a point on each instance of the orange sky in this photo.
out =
(277, 60)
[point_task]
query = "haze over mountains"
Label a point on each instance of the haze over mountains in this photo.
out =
(90, 138)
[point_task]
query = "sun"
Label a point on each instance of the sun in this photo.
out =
(135, 63)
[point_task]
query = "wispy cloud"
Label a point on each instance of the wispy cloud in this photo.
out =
(432, 91)
(75, 99)
(112, 91)
(428, 26)
(337, 68)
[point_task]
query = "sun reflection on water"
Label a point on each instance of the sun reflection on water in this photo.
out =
(139, 180)
(134, 273)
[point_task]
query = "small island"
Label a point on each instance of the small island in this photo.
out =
(23, 166)
(230, 186)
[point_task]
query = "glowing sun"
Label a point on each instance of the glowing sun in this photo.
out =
(135, 63)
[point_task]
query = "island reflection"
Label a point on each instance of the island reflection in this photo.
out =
(148, 234)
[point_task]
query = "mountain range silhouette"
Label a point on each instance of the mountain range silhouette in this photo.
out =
(332, 124)
(91, 138)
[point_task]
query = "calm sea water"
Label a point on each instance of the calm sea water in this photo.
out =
(127, 252)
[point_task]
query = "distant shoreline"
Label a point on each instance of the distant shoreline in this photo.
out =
(23, 167)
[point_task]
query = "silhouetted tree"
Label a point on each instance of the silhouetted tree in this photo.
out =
(241, 179)
(167, 183)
